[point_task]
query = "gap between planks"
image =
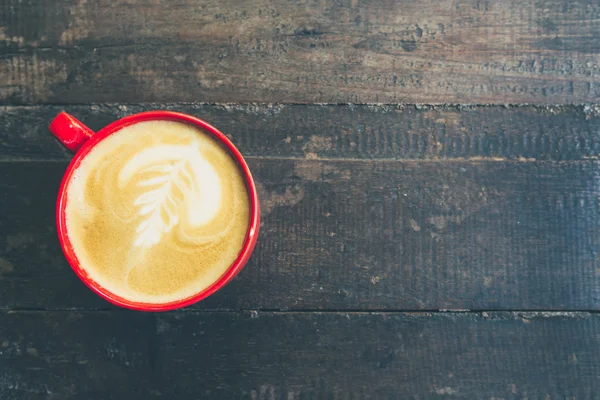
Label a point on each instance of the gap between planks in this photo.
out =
(491, 314)
(358, 160)
(590, 109)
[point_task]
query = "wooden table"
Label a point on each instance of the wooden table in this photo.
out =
(428, 175)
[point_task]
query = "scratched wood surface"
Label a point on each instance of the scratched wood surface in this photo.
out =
(351, 51)
(366, 132)
(355, 235)
(268, 356)
(441, 243)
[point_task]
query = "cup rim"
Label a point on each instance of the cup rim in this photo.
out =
(230, 273)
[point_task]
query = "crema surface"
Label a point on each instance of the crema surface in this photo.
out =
(157, 211)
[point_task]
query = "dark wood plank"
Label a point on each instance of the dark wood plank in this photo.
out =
(362, 235)
(69, 355)
(358, 51)
(344, 131)
(268, 356)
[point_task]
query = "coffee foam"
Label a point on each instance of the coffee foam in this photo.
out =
(157, 211)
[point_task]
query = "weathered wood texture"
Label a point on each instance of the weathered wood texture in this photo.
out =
(344, 131)
(357, 51)
(344, 234)
(365, 207)
(268, 356)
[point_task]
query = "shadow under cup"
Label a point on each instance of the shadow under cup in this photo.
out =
(75, 135)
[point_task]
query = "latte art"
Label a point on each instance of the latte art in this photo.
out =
(181, 186)
(157, 211)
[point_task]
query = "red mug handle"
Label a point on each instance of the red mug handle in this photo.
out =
(71, 132)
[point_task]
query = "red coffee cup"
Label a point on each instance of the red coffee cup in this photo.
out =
(79, 138)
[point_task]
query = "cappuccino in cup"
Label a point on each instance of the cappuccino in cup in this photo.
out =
(157, 211)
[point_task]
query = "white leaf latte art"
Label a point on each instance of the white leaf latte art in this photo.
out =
(181, 185)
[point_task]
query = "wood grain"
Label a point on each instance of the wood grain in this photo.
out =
(343, 131)
(267, 356)
(362, 235)
(354, 51)
(383, 224)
